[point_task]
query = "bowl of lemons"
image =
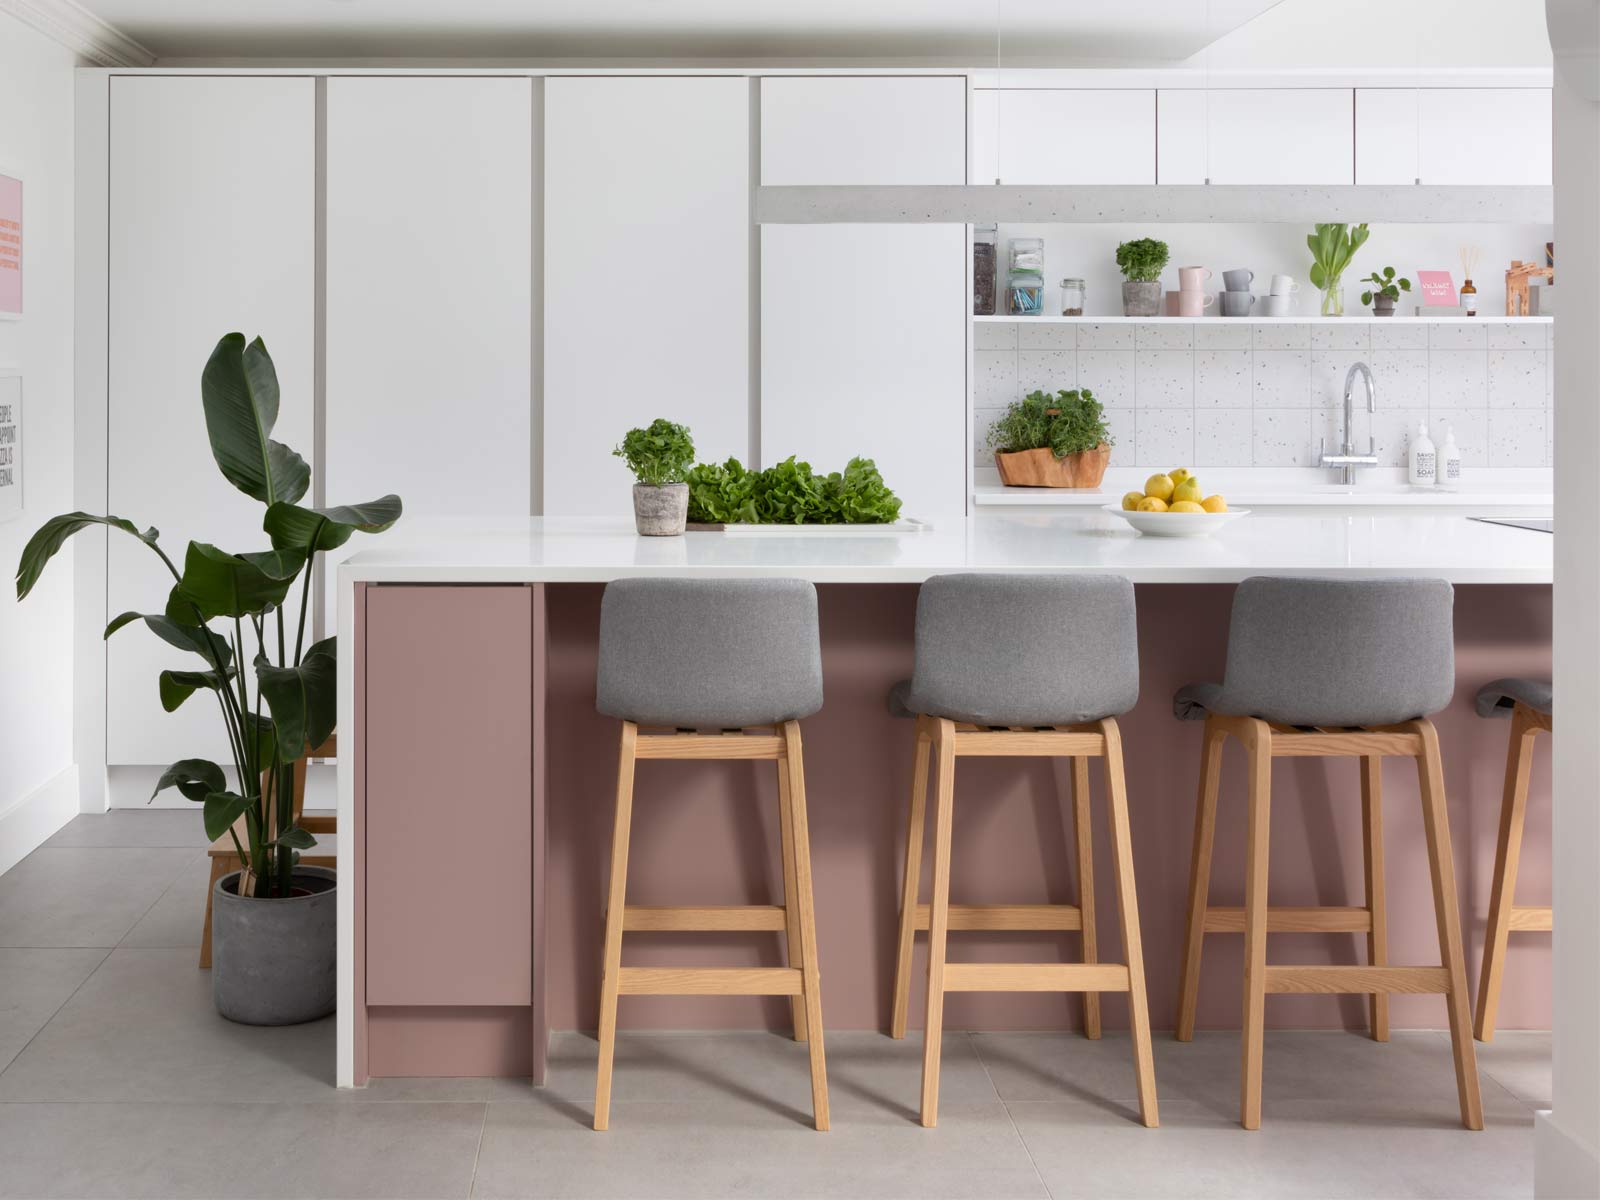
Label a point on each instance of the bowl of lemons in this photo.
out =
(1175, 505)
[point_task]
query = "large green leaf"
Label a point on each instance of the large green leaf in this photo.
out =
(293, 526)
(52, 535)
(263, 734)
(239, 388)
(196, 778)
(218, 584)
(178, 686)
(222, 810)
(185, 636)
(295, 838)
(303, 700)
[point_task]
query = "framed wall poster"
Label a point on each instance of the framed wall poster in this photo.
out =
(10, 244)
(10, 442)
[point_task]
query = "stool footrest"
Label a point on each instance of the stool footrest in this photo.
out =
(709, 745)
(1531, 918)
(709, 981)
(714, 918)
(1316, 919)
(1358, 980)
(971, 741)
(1035, 977)
(1007, 918)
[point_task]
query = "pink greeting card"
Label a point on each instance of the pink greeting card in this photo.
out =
(1437, 288)
(10, 246)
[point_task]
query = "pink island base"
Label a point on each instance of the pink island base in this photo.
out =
(707, 833)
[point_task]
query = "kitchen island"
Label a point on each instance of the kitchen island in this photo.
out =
(476, 805)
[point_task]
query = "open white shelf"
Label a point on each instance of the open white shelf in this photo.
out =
(1366, 319)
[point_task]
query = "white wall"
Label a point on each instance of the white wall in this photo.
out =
(38, 789)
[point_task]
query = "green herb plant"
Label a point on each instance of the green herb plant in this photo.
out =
(790, 493)
(1066, 423)
(1332, 247)
(291, 709)
(1385, 285)
(659, 454)
(1143, 260)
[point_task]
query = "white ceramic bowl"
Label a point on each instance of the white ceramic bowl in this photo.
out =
(1170, 524)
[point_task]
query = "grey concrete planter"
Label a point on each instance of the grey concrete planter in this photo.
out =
(660, 511)
(272, 961)
(1141, 297)
(1383, 306)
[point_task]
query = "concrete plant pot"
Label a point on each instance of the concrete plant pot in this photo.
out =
(1383, 306)
(1141, 297)
(272, 961)
(660, 510)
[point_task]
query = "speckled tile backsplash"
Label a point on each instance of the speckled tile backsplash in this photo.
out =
(1257, 395)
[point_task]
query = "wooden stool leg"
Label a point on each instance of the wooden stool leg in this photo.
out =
(1377, 906)
(615, 912)
(791, 901)
(1258, 747)
(1507, 855)
(1205, 828)
(912, 879)
(810, 969)
(220, 866)
(1442, 867)
(944, 743)
(1085, 841)
(1128, 908)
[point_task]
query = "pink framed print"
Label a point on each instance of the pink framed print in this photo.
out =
(10, 244)
(1438, 289)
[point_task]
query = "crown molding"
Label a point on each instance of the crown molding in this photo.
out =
(80, 31)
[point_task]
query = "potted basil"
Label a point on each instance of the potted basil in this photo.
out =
(1045, 441)
(659, 456)
(1142, 263)
(272, 923)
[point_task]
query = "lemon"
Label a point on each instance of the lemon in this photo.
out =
(1153, 503)
(1186, 506)
(1214, 504)
(1180, 475)
(1159, 487)
(1130, 501)
(1189, 489)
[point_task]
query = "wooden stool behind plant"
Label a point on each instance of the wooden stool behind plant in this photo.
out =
(225, 857)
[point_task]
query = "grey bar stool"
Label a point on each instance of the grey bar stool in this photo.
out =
(1325, 668)
(726, 669)
(1021, 666)
(1530, 705)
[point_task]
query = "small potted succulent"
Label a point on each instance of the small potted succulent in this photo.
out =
(1385, 291)
(1142, 263)
(659, 456)
(1052, 441)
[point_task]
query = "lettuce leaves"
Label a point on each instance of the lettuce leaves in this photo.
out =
(790, 493)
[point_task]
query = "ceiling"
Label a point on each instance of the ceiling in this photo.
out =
(947, 32)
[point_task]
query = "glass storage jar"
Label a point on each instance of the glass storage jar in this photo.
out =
(985, 240)
(1073, 294)
(1025, 294)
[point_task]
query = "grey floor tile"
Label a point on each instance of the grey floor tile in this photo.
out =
(82, 896)
(143, 1028)
(33, 985)
(866, 1070)
(134, 827)
(1303, 1149)
(666, 1150)
(1520, 1062)
(216, 1151)
(174, 919)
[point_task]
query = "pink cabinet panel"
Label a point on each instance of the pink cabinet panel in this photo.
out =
(449, 757)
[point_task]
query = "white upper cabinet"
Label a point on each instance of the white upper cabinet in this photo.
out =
(1453, 136)
(863, 130)
(1059, 136)
(1255, 136)
(430, 294)
(647, 275)
(212, 230)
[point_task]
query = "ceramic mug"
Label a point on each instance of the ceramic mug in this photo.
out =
(1236, 304)
(1171, 306)
(1194, 304)
(1238, 281)
(1277, 306)
(1193, 279)
(1284, 285)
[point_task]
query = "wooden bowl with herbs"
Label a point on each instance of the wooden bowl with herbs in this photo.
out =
(1058, 441)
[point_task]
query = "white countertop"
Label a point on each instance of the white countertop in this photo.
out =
(596, 549)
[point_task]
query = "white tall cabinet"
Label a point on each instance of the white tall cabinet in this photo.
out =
(863, 327)
(647, 234)
(213, 229)
(429, 302)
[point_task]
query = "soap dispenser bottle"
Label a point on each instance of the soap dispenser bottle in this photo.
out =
(1423, 462)
(1449, 461)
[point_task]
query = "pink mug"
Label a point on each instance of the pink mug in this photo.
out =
(1194, 304)
(1193, 279)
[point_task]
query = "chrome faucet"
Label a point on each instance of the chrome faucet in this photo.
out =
(1347, 460)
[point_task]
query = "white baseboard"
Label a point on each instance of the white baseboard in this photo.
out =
(1564, 1168)
(36, 816)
